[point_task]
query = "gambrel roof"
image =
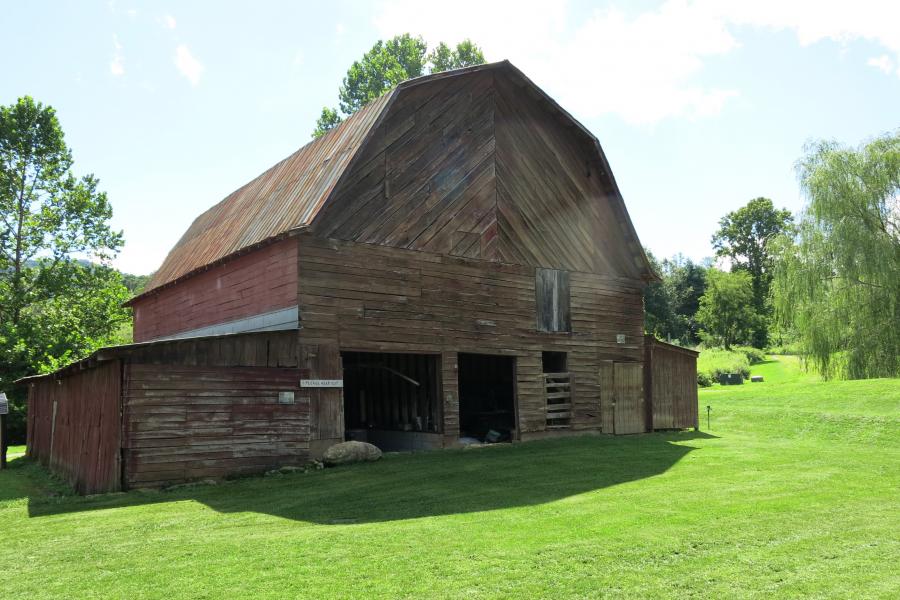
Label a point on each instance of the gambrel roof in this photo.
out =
(289, 196)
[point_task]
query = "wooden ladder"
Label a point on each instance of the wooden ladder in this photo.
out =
(558, 394)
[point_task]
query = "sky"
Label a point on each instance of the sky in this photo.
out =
(699, 106)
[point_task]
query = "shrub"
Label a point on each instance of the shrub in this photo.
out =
(714, 361)
(785, 348)
(754, 355)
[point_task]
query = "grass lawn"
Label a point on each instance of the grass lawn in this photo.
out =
(794, 491)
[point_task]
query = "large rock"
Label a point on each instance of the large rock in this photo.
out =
(350, 452)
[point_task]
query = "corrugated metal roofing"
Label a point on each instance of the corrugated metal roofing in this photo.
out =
(284, 197)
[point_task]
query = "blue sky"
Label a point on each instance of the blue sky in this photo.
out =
(700, 106)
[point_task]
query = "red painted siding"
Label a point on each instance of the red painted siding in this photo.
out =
(74, 427)
(261, 281)
(184, 422)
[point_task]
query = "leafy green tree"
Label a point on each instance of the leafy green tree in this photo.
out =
(726, 315)
(466, 54)
(837, 281)
(389, 63)
(328, 120)
(671, 305)
(744, 237)
(135, 284)
(657, 303)
(55, 305)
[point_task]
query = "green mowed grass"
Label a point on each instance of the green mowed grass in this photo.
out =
(793, 491)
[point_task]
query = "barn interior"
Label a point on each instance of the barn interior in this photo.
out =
(487, 397)
(392, 400)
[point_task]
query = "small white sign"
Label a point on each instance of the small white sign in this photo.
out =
(285, 397)
(321, 383)
(620, 338)
(4, 404)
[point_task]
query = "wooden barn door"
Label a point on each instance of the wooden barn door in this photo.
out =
(622, 398)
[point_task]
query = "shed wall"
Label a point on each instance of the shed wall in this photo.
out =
(672, 386)
(183, 423)
(74, 427)
(261, 281)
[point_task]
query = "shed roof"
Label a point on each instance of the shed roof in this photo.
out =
(288, 196)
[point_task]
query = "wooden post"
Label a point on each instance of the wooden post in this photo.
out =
(3, 443)
(4, 408)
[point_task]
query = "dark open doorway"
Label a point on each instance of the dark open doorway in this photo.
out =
(487, 397)
(392, 400)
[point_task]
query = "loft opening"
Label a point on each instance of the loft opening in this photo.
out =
(392, 400)
(487, 397)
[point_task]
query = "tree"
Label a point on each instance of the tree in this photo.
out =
(135, 284)
(466, 54)
(837, 281)
(744, 237)
(389, 63)
(657, 303)
(328, 120)
(671, 305)
(55, 305)
(726, 314)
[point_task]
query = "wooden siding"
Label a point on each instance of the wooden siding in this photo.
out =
(671, 385)
(482, 167)
(259, 282)
(208, 408)
(368, 297)
(555, 206)
(186, 423)
(425, 181)
(74, 427)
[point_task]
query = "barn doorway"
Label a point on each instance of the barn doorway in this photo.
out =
(392, 400)
(487, 397)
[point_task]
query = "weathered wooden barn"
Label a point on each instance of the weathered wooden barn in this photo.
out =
(454, 260)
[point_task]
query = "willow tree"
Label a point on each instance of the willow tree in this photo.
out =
(837, 281)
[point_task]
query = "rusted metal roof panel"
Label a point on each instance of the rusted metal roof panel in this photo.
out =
(291, 194)
(286, 196)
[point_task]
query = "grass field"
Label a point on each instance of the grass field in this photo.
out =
(793, 491)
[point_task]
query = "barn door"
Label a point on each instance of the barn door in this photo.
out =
(622, 407)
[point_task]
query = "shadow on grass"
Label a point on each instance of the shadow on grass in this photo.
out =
(409, 486)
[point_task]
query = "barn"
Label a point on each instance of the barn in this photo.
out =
(455, 260)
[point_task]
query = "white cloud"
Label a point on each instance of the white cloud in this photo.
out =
(117, 64)
(883, 62)
(299, 58)
(339, 29)
(187, 65)
(169, 21)
(642, 67)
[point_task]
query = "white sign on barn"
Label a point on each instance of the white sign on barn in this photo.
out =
(321, 383)
(4, 404)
